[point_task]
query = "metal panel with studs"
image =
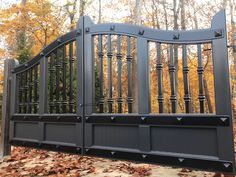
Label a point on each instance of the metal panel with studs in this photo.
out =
(65, 102)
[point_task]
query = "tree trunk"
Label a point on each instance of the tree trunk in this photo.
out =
(165, 14)
(100, 12)
(82, 7)
(137, 21)
(137, 13)
(176, 27)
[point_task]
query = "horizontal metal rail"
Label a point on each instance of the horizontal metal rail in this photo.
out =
(163, 36)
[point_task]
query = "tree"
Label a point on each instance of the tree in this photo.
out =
(28, 27)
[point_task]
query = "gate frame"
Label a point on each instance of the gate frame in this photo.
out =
(85, 118)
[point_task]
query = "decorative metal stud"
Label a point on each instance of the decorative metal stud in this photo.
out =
(113, 152)
(223, 119)
(57, 146)
(176, 36)
(87, 30)
(141, 32)
(144, 156)
(181, 159)
(24, 117)
(226, 165)
(112, 28)
(113, 118)
(179, 118)
(78, 118)
(78, 31)
(26, 64)
(41, 54)
(39, 144)
(87, 149)
(78, 149)
(58, 117)
(87, 119)
(143, 118)
(59, 40)
(218, 33)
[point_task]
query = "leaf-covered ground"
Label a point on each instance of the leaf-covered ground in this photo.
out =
(32, 162)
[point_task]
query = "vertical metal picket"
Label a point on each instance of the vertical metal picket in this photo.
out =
(88, 80)
(8, 106)
(79, 84)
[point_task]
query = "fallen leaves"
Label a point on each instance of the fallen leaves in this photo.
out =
(27, 162)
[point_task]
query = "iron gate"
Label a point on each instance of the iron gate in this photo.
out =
(71, 97)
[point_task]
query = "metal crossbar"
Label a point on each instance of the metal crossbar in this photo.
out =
(89, 92)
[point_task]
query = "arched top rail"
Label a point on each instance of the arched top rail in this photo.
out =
(47, 50)
(163, 36)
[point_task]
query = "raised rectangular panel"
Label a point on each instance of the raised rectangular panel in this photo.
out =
(64, 133)
(200, 141)
(26, 130)
(115, 136)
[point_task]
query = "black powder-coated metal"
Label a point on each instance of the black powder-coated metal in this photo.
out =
(172, 71)
(64, 63)
(51, 82)
(100, 55)
(55, 108)
(119, 63)
(71, 69)
(129, 71)
(200, 71)
(159, 68)
(36, 81)
(186, 79)
(109, 56)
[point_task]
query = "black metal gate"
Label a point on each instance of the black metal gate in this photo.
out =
(71, 98)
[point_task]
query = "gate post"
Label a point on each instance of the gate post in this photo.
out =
(7, 106)
(222, 85)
